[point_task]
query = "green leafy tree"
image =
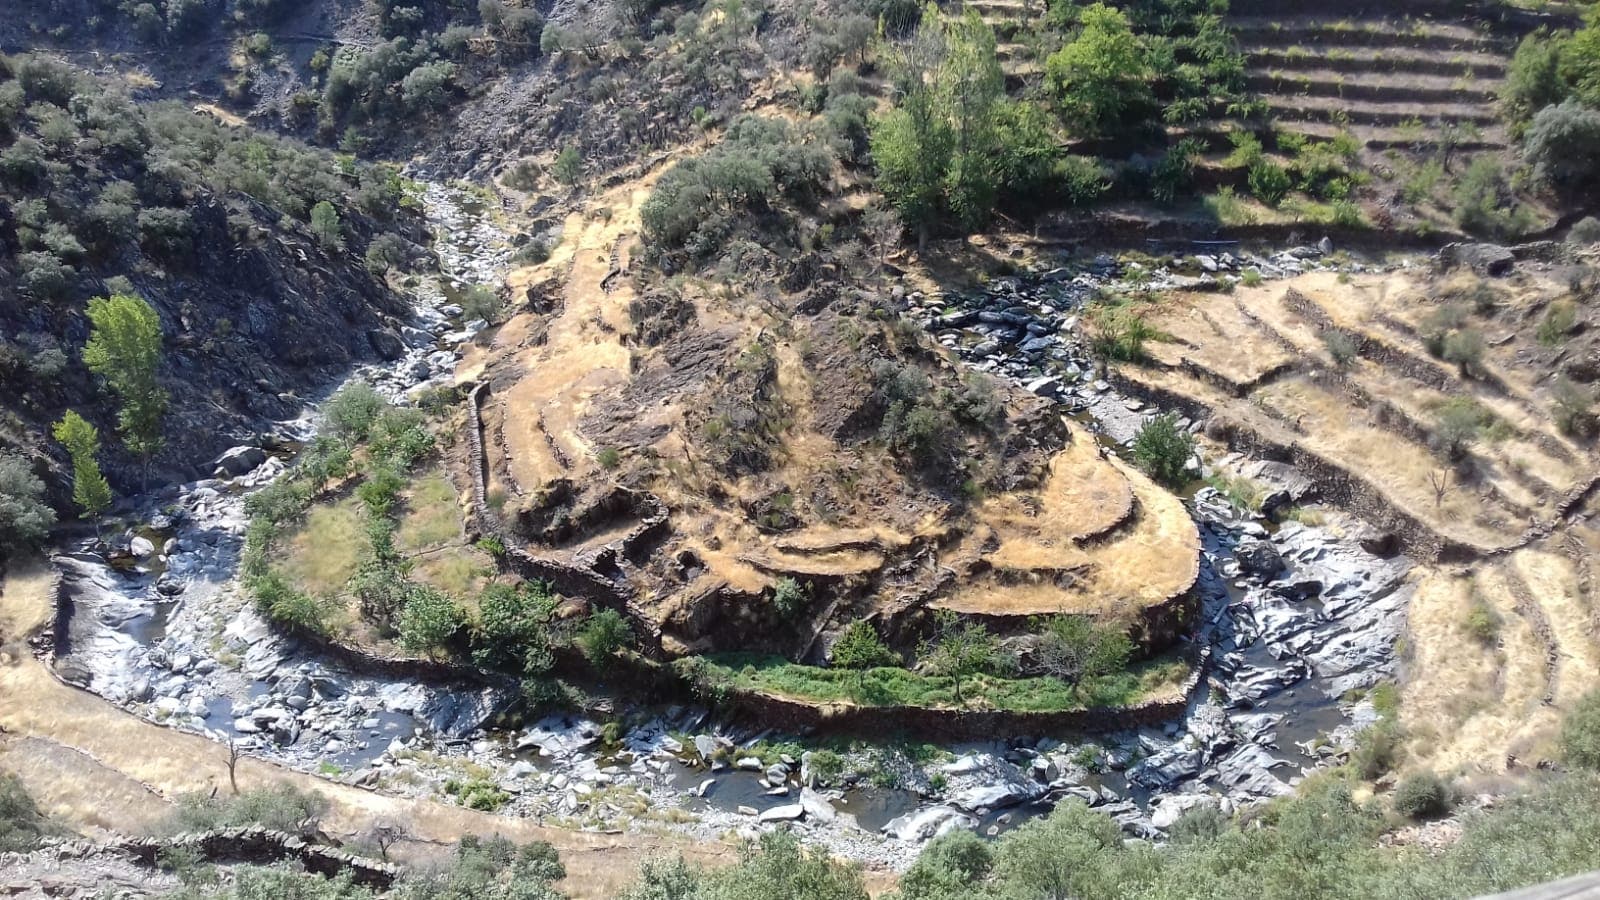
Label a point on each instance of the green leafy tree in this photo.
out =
(352, 411)
(568, 167)
(959, 650)
(514, 628)
(326, 226)
(1162, 450)
(125, 349)
(1533, 80)
(1101, 80)
(953, 144)
(859, 648)
(82, 440)
(430, 620)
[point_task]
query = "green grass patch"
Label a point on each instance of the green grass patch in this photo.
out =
(322, 554)
(431, 515)
(890, 686)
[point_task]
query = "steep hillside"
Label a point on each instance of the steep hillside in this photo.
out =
(259, 296)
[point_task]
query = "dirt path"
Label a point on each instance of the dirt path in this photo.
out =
(95, 768)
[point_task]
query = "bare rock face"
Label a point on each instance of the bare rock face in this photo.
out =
(1486, 259)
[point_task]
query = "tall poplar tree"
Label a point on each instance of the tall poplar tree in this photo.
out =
(125, 349)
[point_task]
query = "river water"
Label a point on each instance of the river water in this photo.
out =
(171, 637)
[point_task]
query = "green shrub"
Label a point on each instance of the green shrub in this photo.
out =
(1423, 795)
(477, 793)
(1533, 80)
(351, 411)
(1580, 733)
(1119, 333)
(826, 765)
(514, 629)
(1163, 450)
(1574, 407)
(21, 822)
(1378, 749)
(603, 635)
(1557, 323)
(1482, 622)
(947, 865)
(790, 599)
(480, 302)
(1269, 182)
(25, 518)
(1563, 145)
(280, 807)
(430, 620)
(1341, 348)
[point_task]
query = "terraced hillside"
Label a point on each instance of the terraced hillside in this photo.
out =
(604, 462)
(1339, 373)
(1411, 84)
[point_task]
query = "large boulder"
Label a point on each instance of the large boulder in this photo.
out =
(1486, 259)
(386, 344)
(1259, 558)
(238, 461)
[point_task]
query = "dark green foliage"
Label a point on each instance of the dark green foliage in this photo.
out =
(280, 807)
(959, 650)
(1483, 200)
(515, 628)
(480, 302)
(351, 412)
(790, 598)
(430, 620)
(1163, 450)
(1533, 80)
(605, 634)
(1173, 175)
(779, 867)
(947, 867)
(325, 225)
(860, 648)
(1269, 182)
(955, 147)
(1101, 79)
(695, 204)
(21, 822)
(1423, 795)
(490, 868)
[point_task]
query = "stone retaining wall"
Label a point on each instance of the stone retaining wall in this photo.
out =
(261, 846)
(1335, 485)
(571, 581)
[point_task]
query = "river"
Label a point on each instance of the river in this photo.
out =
(170, 636)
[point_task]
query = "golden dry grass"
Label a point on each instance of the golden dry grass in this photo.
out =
(1210, 330)
(1466, 705)
(1083, 495)
(1152, 562)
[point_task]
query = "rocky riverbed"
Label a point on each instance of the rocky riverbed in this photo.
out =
(1297, 621)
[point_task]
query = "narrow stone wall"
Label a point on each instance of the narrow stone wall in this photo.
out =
(571, 581)
(261, 846)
